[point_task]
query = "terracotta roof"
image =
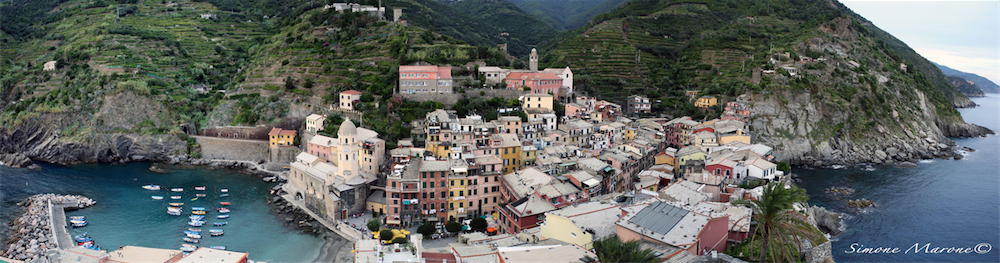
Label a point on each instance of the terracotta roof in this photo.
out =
(352, 92)
(274, 131)
(417, 68)
(532, 75)
(287, 132)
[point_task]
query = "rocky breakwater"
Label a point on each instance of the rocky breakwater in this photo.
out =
(31, 237)
(817, 130)
(247, 167)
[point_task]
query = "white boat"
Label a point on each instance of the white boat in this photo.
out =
(223, 210)
(200, 188)
(177, 189)
(175, 197)
(224, 190)
(190, 235)
(174, 211)
(196, 223)
(222, 216)
(151, 187)
(157, 197)
(188, 248)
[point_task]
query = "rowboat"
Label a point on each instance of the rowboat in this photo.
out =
(196, 217)
(224, 190)
(188, 248)
(193, 235)
(225, 203)
(220, 223)
(151, 187)
(157, 197)
(175, 197)
(223, 195)
(196, 230)
(174, 211)
(200, 195)
(218, 247)
(199, 188)
(177, 189)
(190, 240)
(194, 199)
(196, 223)
(198, 212)
(223, 210)
(222, 216)
(176, 204)
(215, 232)
(198, 208)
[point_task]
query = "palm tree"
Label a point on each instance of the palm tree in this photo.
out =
(777, 221)
(612, 249)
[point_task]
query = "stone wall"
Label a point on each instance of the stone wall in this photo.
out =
(232, 149)
(451, 99)
(280, 157)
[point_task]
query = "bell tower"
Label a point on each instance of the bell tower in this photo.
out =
(533, 60)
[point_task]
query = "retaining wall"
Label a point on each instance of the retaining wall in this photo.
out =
(232, 149)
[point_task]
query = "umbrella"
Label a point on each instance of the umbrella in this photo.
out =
(491, 229)
(465, 227)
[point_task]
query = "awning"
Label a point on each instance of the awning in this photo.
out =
(567, 164)
(392, 222)
(591, 182)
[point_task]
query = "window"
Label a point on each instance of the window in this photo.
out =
(451, 206)
(393, 185)
(395, 210)
(432, 205)
(432, 184)
(425, 197)
(452, 182)
(469, 191)
(432, 177)
(395, 202)
(425, 184)
(461, 182)
(442, 184)
(432, 197)
(451, 194)
(395, 195)
(461, 193)
(462, 204)
(494, 199)
(475, 191)
(424, 174)
(442, 194)
(486, 179)
(425, 206)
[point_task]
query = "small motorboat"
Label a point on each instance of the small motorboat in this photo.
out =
(175, 197)
(176, 204)
(223, 210)
(200, 195)
(196, 217)
(220, 217)
(80, 224)
(187, 232)
(190, 240)
(157, 197)
(92, 247)
(174, 211)
(196, 223)
(177, 189)
(151, 187)
(188, 248)
(199, 188)
(82, 237)
(198, 208)
(193, 235)
(77, 218)
(196, 230)
(194, 199)
(225, 203)
(197, 212)
(220, 223)
(215, 232)
(218, 247)
(223, 195)
(224, 190)
(85, 243)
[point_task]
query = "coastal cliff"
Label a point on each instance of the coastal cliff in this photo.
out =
(39, 142)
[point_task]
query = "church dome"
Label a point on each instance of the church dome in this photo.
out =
(347, 129)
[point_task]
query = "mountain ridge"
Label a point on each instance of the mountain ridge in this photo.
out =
(986, 85)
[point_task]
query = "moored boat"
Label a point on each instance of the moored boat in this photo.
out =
(81, 224)
(197, 212)
(225, 203)
(196, 217)
(200, 195)
(224, 190)
(196, 223)
(194, 199)
(193, 235)
(177, 189)
(223, 195)
(188, 248)
(174, 211)
(175, 197)
(157, 197)
(220, 223)
(190, 240)
(222, 216)
(199, 188)
(215, 232)
(176, 204)
(218, 247)
(198, 208)
(223, 210)
(151, 187)
(196, 230)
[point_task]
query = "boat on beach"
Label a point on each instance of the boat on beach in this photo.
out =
(222, 216)
(199, 188)
(175, 197)
(151, 187)
(177, 189)
(190, 240)
(157, 197)
(220, 223)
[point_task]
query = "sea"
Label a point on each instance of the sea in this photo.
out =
(126, 214)
(940, 211)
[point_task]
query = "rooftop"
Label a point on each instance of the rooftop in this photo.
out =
(204, 254)
(598, 216)
(142, 254)
(351, 92)
(315, 117)
(553, 254)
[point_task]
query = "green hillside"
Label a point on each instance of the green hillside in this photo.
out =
(566, 14)
(983, 83)
(478, 31)
(513, 23)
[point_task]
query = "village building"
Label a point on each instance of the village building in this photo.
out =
(424, 79)
(348, 98)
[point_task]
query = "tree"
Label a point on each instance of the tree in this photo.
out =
(777, 221)
(453, 227)
(400, 240)
(289, 83)
(612, 249)
(784, 167)
(427, 229)
(308, 84)
(478, 224)
(374, 225)
(385, 234)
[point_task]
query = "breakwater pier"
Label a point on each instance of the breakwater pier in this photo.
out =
(40, 231)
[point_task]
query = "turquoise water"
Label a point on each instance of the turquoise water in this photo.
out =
(944, 203)
(127, 215)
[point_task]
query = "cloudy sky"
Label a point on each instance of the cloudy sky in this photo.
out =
(963, 35)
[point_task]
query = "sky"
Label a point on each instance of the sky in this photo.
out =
(963, 35)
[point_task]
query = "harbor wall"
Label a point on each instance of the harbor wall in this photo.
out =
(232, 149)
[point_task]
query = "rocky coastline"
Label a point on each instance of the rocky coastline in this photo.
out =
(31, 237)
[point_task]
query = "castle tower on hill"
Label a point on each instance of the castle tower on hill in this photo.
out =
(533, 60)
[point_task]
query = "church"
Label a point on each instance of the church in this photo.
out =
(337, 188)
(555, 81)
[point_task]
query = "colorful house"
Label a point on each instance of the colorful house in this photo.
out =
(279, 137)
(706, 101)
(348, 98)
(424, 79)
(537, 82)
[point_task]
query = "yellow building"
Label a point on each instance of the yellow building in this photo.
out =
(706, 101)
(279, 137)
(457, 196)
(529, 154)
(737, 135)
(535, 100)
(629, 134)
(567, 224)
(510, 152)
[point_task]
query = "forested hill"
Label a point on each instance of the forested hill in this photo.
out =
(514, 23)
(847, 73)
(566, 14)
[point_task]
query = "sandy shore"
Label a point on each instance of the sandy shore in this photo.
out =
(335, 249)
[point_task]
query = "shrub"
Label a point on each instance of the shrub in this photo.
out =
(374, 225)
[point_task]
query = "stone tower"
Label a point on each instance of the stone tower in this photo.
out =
(533, 60)
(348, 165)
(396, 14)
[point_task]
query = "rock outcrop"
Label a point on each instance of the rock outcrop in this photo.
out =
(16, 160)
(829, 222)
(39, 142)
(951, 129)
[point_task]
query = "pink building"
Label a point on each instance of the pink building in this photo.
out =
(692, 228)
(424, 79)
(320, 146)
(539, 82)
